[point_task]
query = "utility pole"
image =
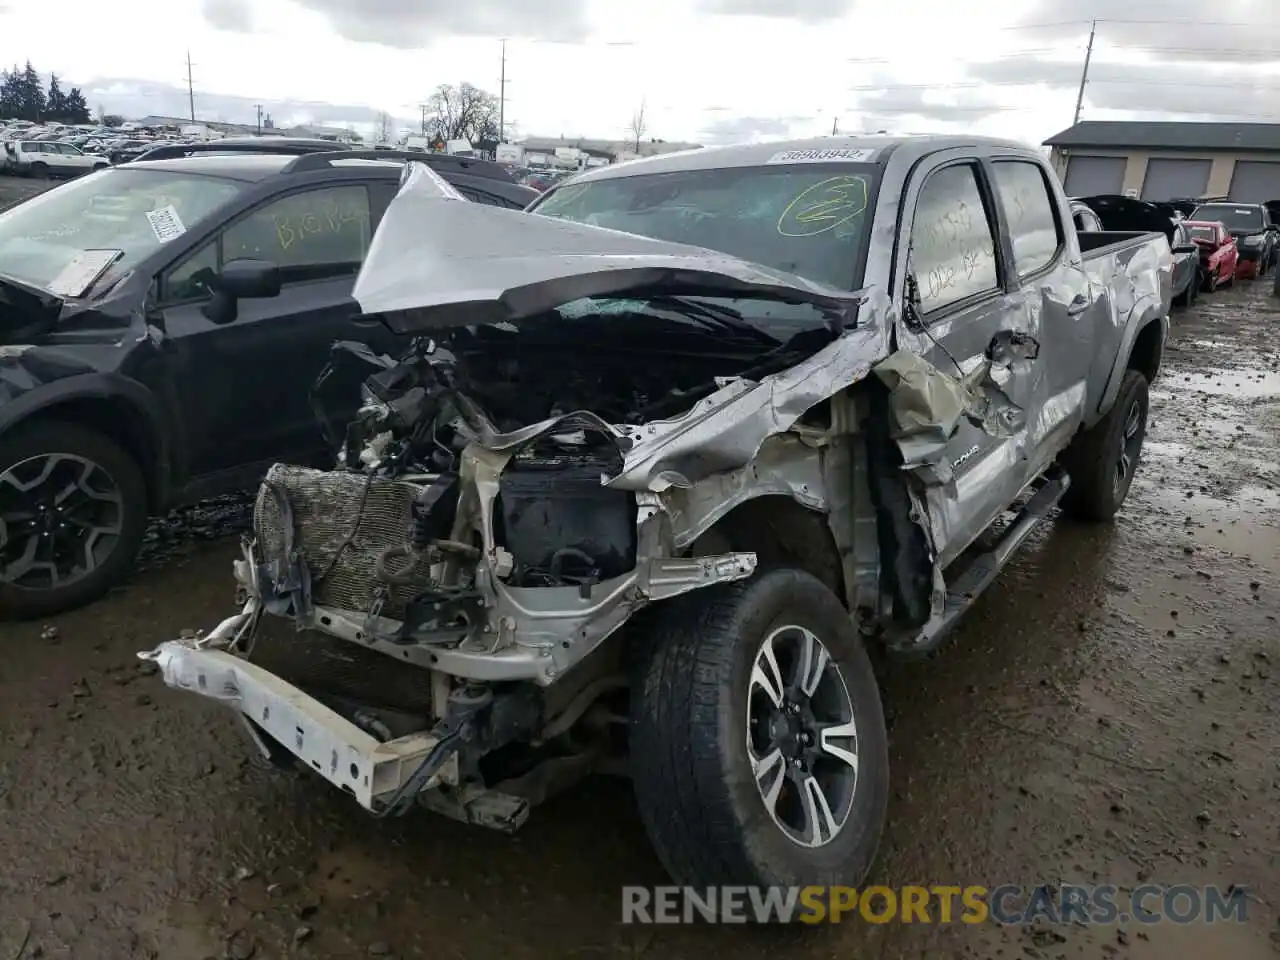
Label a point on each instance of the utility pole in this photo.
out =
(191, 90)
(1084, 76)
(258, 107)
(502, 95)
(835, 126)
(423, 108)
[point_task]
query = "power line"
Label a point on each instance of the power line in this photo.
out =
(191, 95)
(1084, 75)
(979, 84)
(502, 96)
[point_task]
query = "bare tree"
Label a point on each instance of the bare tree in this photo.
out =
(384, 127)
(464, 112)
(639, 125)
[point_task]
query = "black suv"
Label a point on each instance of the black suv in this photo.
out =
(161, 324)
(1250, 224)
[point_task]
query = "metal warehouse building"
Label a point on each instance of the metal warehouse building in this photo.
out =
(1164, 160)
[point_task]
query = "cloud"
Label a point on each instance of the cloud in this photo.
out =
(233, 15)
(740, 129)
(414, 23)
(1182, 88)
(810, 11)
(139, 98)
(885, 109)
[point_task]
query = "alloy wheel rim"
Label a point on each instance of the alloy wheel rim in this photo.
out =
(1130, 447)
(61, 515)
(802, 739)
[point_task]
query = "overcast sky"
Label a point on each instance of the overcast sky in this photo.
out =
(708, 70)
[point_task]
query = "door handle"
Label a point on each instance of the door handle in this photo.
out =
(1078, 305)
(1008, 346)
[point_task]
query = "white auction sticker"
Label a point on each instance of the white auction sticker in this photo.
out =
(166, 224)
(835, 155)
(82, 272)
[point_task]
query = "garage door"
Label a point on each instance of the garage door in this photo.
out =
(1090, 176)
(1255, 181)
(1168, 179)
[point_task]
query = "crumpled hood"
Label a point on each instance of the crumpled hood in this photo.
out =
(439, 260)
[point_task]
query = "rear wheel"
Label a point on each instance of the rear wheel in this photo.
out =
(73, 510)
(40, 170)
(1101, 461)
(758, 743)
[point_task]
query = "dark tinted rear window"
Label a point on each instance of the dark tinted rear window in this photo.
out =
(1235, 217)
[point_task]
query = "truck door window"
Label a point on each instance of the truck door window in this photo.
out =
(317, 233)
(1029, 210)
(953, 250)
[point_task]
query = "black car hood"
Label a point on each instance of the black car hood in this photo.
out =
(1125, 213)
(25, 307)
(439, 260)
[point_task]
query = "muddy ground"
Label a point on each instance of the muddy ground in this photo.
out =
(14, 190)
(1108, 714)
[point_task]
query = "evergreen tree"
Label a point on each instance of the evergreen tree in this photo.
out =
(9, 93)
(31, 91)
(77, 108)
(55, 101)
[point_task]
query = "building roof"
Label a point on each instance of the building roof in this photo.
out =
(1169, 135)
(604, 147)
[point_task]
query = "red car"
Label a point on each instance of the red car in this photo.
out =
(1219, 255)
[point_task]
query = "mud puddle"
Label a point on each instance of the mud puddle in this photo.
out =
(1107, 714)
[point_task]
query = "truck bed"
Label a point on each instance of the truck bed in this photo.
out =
(1095, 243)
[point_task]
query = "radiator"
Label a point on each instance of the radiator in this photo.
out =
(326, 507)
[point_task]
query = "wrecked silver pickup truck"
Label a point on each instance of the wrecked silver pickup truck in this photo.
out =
(666, 453)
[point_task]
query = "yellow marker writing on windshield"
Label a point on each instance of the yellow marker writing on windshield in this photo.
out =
(824, 206)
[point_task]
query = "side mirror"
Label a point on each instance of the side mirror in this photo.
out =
(241, 279)
(1273, 228)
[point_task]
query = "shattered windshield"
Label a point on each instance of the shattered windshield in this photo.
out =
(126, 214)
(808, 219)
(1236, 218)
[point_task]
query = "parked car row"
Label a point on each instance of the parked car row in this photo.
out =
(61, 151)
(1213, 244)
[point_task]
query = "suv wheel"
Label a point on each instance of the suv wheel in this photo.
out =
(40, 170)
(73, 510)
(1101, 461)
(758, 744)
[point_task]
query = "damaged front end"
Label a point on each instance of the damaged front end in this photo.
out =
(571, 420)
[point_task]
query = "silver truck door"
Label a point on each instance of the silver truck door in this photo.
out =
(967, 303)
(1058, 307)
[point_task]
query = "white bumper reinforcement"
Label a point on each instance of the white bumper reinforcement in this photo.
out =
(348, 757)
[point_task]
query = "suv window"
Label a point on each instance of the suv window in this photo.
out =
(311, 235)
(953, 250)
(313, 228)
(1029, 210)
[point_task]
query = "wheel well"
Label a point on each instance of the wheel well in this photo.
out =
(117, 420)
(781, 533)
(1147, 348)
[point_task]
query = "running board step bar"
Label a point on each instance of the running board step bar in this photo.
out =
(984, 567)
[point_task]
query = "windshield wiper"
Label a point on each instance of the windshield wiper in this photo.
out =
(713, 316)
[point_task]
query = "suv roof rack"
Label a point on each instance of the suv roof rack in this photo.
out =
(319, 160)
(288, 146)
